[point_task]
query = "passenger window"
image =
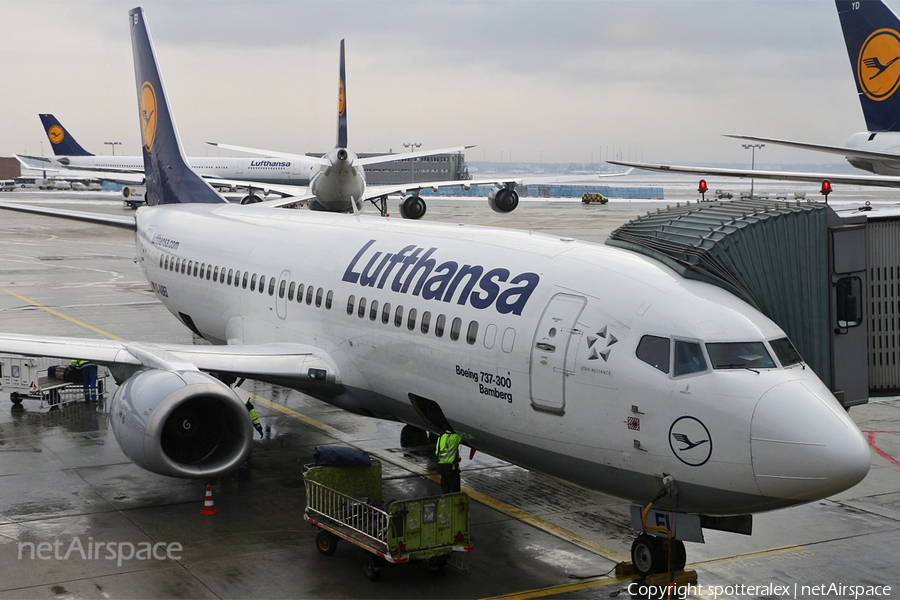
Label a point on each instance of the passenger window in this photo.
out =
(329, 298)
(362, 308)
(190, 263)
(386, 313)
(398, 317)
(688, 358)
(654, 351)
(183, 263)
(209, 271)
(253, 283)
(300, 289)
(411, 319)
(490, 336)
(439, 324)
(291, 289)
(472, 332)
(455, 328)
(202, 270)
(740, 355)
(350, 302)
(216, 274)
(373, 312)
(244, 282)
(230, 276)
(272, 286)
(426, 321)
(319, 295)
(309, 295)
(161, 257)
(509, 340)
(262, 284)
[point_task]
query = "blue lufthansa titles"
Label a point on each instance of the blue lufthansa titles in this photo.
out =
(416, 272)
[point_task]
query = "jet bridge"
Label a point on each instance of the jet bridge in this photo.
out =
(797, 262)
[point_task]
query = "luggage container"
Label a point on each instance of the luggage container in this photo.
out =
(26, 377)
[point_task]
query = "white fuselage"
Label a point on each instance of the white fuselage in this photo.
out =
(274, 171)
(537, 359)
(885, 141)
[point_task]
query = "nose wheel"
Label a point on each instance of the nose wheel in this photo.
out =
(651, 554)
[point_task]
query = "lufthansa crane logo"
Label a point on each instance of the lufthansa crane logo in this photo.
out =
(689, 439)
(56, 134)
(342, 99)
(878, 71)
(148, 115)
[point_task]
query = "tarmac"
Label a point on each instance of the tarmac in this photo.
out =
(64, 482)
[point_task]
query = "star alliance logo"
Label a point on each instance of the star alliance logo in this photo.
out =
(592, 344)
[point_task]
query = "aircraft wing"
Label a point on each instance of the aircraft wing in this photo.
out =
(839, 150)
(284, 191)
(265, 361)
(124, 176)
(371, 160)
(271, 153)
(873, 180)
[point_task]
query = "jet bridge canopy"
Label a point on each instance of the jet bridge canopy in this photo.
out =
(774, 255)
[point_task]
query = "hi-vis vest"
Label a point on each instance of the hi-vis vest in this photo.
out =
(448, 448)
(254, 419)
(77, 364)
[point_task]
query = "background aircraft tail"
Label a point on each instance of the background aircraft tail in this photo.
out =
(872, 35)
(342, 105)
(61, 141)
(169, 178)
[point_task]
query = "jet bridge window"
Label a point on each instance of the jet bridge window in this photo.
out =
(654, 351)
(785, 351)
(688, 358)
(849, 302)
(740, 355)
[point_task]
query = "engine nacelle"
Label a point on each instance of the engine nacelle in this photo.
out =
(503, 199)
(181, 424)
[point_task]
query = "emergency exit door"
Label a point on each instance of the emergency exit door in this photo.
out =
(551, 360)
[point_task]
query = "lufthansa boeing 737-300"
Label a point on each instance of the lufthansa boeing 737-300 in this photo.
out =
(590, 363)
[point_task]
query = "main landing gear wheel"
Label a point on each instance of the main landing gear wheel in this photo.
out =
(412, 207)
(326, 542)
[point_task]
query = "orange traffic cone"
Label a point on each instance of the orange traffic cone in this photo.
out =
(208, 507)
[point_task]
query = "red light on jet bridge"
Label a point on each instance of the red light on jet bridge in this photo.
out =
(703, 187)
(826, 188)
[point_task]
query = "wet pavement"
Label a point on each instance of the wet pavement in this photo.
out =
(64, 482)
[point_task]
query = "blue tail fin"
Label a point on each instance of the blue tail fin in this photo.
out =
(872, 35)
(168, 177)
(342, 105)
(61, 141)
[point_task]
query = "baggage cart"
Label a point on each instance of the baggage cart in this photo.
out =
(26, 377)
(345, 503)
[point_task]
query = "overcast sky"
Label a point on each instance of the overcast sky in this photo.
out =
(558, 81)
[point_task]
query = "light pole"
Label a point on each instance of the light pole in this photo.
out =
(412, 146)
(752, 148)
(113, 144)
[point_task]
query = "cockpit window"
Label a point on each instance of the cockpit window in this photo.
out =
(739, 355)
(688, 358)
(654, 351)
(785, 351)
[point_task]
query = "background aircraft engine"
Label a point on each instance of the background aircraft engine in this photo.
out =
(412, 207)
(503, 200)
(181, 424)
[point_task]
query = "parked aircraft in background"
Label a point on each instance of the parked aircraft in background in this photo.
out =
(587, 362)
(872, 35)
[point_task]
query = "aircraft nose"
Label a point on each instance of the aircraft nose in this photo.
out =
(804, 445)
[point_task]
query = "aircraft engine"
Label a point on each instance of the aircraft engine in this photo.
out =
(412, 207)
(503, 199)
(181, 424)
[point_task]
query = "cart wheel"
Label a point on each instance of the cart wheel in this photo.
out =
(437, 563)
(15, 398)
(370, 568)
(326, 542)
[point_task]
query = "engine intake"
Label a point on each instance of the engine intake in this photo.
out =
(181, 424)
(503, 199)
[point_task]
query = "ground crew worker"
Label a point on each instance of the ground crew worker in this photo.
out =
(254, 419)
(88, 373)
(447, 451)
